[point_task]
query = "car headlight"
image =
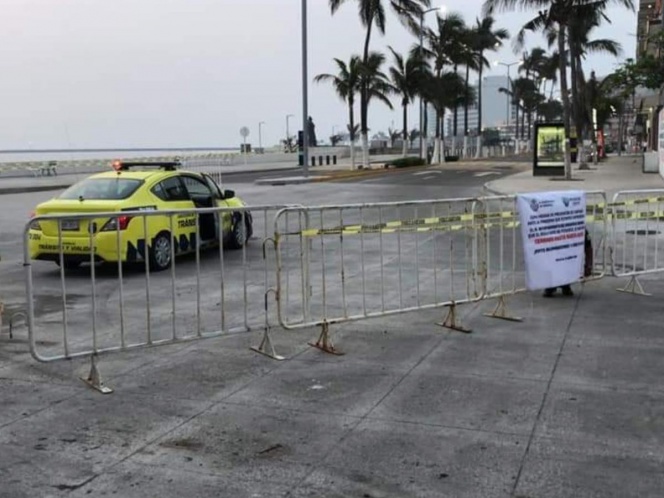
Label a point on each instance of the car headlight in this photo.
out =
(34, 225)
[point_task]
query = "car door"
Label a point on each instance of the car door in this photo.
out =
(203, 197)
(174, 195)
(221, 202)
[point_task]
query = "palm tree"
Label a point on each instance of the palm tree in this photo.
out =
(372, 13)
(444, 92)
(346, 84)
(486, 38)
(558, 15)
(442, 45)
(377, 86)
(406, 75)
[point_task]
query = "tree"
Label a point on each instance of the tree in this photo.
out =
(346, 83)
(406, 75)
(556, 15)
(372, 13)
(336, 139)
(442, 44)
(486, 38)
(446, 91)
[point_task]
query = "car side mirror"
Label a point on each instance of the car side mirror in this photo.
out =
(229, 194)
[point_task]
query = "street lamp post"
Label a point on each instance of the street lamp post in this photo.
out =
(422, 132)
(305, 91)
(260, 136)
(509, 86)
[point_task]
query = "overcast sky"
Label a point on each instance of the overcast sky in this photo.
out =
(171, 73)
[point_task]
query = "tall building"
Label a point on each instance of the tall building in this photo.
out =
(497, 110)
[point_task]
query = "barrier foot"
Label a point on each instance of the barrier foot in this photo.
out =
(324, 343)
(501, 312)
(450, 321)
(11, 322)
(266, 347)
(94, 378)
(634, 287)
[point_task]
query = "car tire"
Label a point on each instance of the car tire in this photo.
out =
(161, 252)
(239, 234)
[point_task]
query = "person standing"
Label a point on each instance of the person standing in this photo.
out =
(588, 265)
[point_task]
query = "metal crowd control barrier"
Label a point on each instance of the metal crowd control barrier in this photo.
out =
(85, 312)
(343, 263)
(637, 227)
(503, 246)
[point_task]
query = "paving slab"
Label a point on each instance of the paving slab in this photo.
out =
(395, 459)
(591, 470)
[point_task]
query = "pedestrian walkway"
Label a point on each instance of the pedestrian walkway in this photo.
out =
(614, 174)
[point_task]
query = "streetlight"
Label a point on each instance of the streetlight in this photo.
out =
(260, 137)
(509, 85)
(288, 116)
(305, 94)
(422, 14)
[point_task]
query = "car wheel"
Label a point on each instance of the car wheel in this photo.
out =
(239, 233)
(161, 252)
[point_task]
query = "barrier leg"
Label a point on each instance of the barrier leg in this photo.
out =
(18, 314)
(94, 378)
(266, 347)
(634, 287)
(450, 321)
(501, 312)
(324, 343)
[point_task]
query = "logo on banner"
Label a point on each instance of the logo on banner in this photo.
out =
(566, 201)
(534, 205)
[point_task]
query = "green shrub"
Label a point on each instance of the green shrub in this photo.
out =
(405, 162)
(451, 159)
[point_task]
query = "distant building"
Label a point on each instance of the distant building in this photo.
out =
(496, 110)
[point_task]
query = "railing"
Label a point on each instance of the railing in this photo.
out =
(124, 304)
(637, 235)
(351, 262)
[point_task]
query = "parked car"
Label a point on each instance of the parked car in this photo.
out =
(138, 187)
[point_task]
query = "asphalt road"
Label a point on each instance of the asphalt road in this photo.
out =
(567, 403)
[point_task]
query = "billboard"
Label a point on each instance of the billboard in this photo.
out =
(549, 149)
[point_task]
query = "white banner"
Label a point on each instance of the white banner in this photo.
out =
(553, 231)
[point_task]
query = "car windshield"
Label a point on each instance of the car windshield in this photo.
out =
(102, 189)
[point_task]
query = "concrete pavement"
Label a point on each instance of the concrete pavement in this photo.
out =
(614, 174)
(564, 404)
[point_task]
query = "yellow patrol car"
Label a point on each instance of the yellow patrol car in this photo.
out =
(130, 187)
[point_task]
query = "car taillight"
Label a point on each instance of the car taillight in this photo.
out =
(34, 225)
(119, 223)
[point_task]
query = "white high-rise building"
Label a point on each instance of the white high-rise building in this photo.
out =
(496, 110)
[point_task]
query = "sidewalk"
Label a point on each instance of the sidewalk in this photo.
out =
(614, 174)
(567, 403)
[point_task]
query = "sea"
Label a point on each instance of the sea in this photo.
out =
(38, 155)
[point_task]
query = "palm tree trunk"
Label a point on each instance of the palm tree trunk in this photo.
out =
(478, 153)
(562, 67)
(465, 104)
(456, 112)
(351, 118)
(405, 128)
(364, 103)
(435, 159)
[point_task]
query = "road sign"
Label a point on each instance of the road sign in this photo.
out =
(244, 131)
